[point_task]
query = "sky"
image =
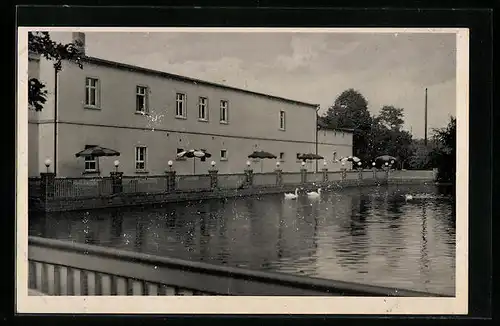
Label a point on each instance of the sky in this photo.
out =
(388, 69)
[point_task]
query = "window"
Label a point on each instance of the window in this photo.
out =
(180, 105)
(203, 108)
(141, 99)
(140, 158)
(282, 156)
(223, 155)
(90, 164)
(282, 120)
(92, 92)
(90, 161)
(223, 111)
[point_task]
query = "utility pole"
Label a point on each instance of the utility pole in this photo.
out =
(425, 123)
(317, 129)
(56, 72)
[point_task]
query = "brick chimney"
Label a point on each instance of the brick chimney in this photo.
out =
(79, 40)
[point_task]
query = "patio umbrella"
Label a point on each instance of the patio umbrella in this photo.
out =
(261, 155)
(202, 154)
(97, 151)
(309, 156)
(385, 158)
(350, 158)
(354, 159)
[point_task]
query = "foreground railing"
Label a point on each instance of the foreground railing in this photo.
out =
(66, 268)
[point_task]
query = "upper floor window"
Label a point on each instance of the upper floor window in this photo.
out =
(141, 99)
(282, 120)
(180, 105)
(92, 92)
(140, 158)
(203, 108)
(223, 155)
(224, 111)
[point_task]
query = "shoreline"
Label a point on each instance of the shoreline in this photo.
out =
(155, 199)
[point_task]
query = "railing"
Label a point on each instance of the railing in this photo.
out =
(352, 175)
(66, 268)
(264, 179)
(34, 187)
(193, 182)
(145, 184)
(76, 188)
(313, 177)
(82, 187)
(411, 174)
(230, 181)
(290, 178)
(334, 176)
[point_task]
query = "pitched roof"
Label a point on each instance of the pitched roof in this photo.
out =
(163, 74)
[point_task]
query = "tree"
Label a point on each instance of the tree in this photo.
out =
(40, 43)
(391, 117)
(420, 158)
(350, 111)
(443, 156)
(387, 138)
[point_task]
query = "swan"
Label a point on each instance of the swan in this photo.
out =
(292, 195)
(408, 197)
(314, 193)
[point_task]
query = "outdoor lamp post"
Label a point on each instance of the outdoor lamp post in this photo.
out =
(303, 164)
(170, 163)
(324, 164)
(47, 164)
(212, 164)
(248, 164)
(278, 164)
(373, 164)
(116, 163)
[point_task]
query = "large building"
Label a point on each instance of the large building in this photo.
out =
(149, 116)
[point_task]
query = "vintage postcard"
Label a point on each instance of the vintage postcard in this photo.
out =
(242, 170)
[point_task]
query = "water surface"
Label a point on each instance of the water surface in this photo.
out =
(368, 235)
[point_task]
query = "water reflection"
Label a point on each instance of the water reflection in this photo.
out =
(369, 235)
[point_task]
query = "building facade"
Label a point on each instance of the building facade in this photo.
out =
(150, 116)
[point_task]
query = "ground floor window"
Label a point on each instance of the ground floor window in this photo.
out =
(90, 164)
(140, 158)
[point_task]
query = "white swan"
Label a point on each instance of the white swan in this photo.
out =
(408, 197)
(292, 195)
(313, 194)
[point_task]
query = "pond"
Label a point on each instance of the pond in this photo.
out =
(370, 235)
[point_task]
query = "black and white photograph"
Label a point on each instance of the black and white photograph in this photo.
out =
(244, 169)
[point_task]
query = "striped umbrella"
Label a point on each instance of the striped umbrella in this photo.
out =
(202, 154)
